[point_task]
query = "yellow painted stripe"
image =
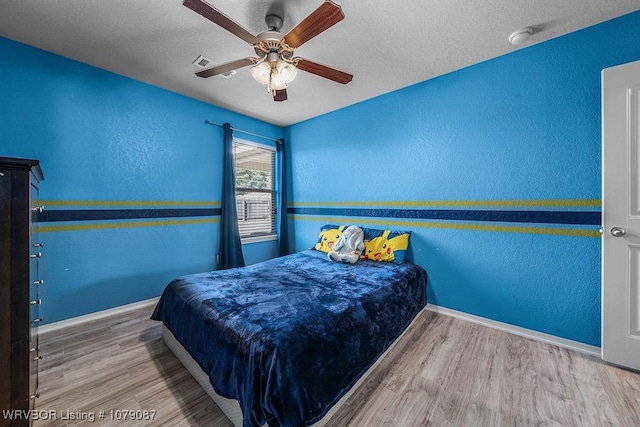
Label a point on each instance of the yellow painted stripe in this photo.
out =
(461, 203)
(577, 232)
(126, 203)
(132, 224)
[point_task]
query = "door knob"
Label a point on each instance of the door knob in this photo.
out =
(618, 232)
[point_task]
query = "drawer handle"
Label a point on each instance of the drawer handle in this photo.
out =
(38, 282)
(38, 255)
(38, 209)
(38, 320)
(38, 245)
(35, 396)
(35, 348)
(37, 301)
(38, 357)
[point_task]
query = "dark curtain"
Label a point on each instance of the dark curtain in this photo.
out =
(283, 231)
(230, 253)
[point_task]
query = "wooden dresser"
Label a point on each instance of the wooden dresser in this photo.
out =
(20, 281)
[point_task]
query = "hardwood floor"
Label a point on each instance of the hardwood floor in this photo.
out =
(444, 372)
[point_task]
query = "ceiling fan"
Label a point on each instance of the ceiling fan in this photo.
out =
(275, 65)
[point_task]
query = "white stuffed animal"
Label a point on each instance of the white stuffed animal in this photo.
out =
(349, 247)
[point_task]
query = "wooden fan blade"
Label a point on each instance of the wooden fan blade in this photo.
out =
(280, 95)
(225, 68)
(324, 17)
(324, 71)
(221, 19)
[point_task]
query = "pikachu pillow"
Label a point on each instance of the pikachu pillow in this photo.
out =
(329, 236)
(385, 245)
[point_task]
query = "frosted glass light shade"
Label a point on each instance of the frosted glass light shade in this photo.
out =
(286, 71)
(261, 72)
(277, 83)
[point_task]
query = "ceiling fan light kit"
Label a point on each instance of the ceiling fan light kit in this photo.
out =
(274, 72)
(276, 66)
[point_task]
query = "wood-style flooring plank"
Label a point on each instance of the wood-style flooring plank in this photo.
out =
(443, 372)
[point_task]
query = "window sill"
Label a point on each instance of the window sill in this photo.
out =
(258, 239)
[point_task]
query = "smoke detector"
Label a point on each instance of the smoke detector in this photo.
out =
(520, 36)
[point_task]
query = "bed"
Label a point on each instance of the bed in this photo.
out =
(286, 339)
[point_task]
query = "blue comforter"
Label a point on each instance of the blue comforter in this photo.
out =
(289, 336)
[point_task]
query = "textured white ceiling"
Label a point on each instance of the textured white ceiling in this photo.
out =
(385, 45)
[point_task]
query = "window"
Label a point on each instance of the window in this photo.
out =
(255, 191)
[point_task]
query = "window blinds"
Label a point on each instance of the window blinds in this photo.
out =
(255, 189)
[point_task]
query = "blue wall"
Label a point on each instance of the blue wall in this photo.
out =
(515, 137)
(505, 141)
(107, 142)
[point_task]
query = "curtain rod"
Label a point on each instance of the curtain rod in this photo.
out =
(207, 122)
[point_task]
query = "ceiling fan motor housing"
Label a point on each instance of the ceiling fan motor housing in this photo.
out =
(271, 42)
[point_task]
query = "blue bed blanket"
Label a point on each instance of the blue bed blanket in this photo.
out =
(288, 337)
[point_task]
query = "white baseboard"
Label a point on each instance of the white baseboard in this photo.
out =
(516, 330)
(50, 327)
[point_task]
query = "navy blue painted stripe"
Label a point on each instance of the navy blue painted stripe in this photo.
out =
(537, 217)
(111, 214)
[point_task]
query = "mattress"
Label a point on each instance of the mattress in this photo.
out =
(231, 407)
(288, 338)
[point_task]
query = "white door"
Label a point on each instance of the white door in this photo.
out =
(621, 215)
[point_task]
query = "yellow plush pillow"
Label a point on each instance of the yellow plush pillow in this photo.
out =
(385, 245)
(329, 236)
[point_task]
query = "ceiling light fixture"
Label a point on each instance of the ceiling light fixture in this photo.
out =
(274, 71)
(520, 36)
